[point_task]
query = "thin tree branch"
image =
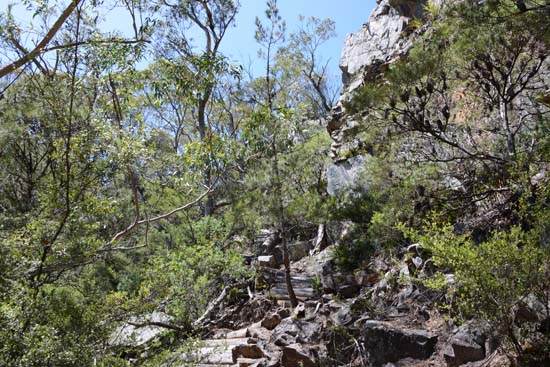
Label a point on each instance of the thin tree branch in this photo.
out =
(8, 69)
(110, 41)
(138, 222)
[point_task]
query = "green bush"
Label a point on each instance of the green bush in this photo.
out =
(491, 279)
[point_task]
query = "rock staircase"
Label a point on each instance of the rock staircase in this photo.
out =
(224, 349)
(302, 285)
(246, 347)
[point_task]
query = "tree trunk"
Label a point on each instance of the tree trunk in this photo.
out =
(282, 226)
(209, 202)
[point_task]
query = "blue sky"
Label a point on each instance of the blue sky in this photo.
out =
(239, 43)
(349, 16)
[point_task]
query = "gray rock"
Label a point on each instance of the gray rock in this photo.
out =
(366, 55)
(298, 250)
(291, 331)
(130, 335)
(296, 356)
(343, 316)
(461, 351)
(380, 41)
(324, 270)
(530, 309)
(466, 345)
(386, 343)
(345, 176)
(258, 332)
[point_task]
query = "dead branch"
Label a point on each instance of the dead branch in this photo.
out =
(159, 324)
(199, 323)
(137, 222)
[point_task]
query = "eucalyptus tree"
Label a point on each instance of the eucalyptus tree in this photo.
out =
(311, 72)
(195, 69)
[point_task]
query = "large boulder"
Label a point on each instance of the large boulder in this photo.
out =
(467, 344)
(463, 348)
(291, 331)
(345, 175)
(387, 343)
(132, 335)
(298, 250)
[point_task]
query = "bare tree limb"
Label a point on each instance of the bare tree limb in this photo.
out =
(137, 222)
(201, 321)
(159, 324)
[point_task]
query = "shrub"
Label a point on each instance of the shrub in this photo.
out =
(492, 278)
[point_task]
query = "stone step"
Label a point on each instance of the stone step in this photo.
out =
(302, 285)
(215, 352)
(224, 342)
(280, 277)
(304, 292)
(230, 334)
(219, 352)
(272, 272)
(210, 356)
(246, 362)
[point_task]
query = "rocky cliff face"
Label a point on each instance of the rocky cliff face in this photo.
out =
(383, 39)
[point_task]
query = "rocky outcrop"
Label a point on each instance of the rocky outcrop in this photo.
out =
(377, 316)
(380, 41)
(291, 331)
(467, 344)
(138, 332)
(386, 37)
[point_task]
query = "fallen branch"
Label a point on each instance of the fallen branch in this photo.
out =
(215, 304)
(159, 324)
